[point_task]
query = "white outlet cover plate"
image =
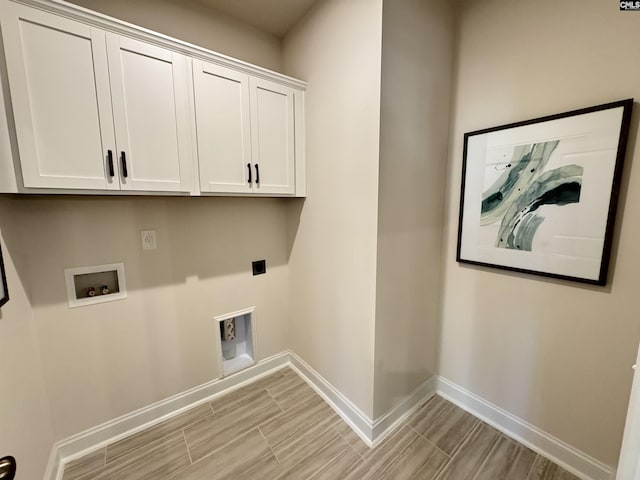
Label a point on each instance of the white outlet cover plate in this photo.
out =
(149, 241)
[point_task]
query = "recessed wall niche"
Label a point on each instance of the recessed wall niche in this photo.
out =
(235, 340)
(95, 284)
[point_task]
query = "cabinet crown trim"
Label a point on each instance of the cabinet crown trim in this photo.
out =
(110, 24)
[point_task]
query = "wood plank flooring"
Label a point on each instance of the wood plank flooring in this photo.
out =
(278, 428)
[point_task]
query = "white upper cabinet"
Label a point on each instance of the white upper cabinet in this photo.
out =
(272, 137)
(59, 85)
(223, 125)
(149, 90)
(245, 127)
(101, 106)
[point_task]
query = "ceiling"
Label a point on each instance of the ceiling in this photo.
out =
(273, 16)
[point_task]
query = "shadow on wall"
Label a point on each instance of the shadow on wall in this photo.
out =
(198, 238)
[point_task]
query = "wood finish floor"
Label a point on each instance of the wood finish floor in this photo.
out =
(279, 428)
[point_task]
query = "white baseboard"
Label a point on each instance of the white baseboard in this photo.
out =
(370, 431)
(387, 423)
(352, 415)
(568, 457)
(54, 466)
(95, 438)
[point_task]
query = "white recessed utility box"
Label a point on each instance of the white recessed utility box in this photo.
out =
(95, 284)
(235, 335)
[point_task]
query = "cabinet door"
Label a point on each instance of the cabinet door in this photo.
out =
(59, 85)
(151, 114)
(223, 125)
(272, 137)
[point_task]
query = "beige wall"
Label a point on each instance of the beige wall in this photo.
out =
(106, 360)
(103, 361)
(337, 49)
(557, 354)
(25, 422)
(417, 47)
(357, 262)
(193, 22)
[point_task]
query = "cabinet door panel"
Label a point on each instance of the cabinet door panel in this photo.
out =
(272, 134)
(150, 102)
(223, 125)
(60, 93)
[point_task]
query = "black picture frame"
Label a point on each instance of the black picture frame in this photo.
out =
(4, 290)
(509, 189)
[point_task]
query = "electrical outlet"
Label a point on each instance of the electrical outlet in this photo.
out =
(259, 267)
(148, 239)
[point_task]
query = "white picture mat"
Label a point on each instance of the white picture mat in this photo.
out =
(570, 240)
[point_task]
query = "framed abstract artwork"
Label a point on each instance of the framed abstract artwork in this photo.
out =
(4, 291)
(540, 196)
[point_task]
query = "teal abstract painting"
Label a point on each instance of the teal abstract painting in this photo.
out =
(539, 196)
